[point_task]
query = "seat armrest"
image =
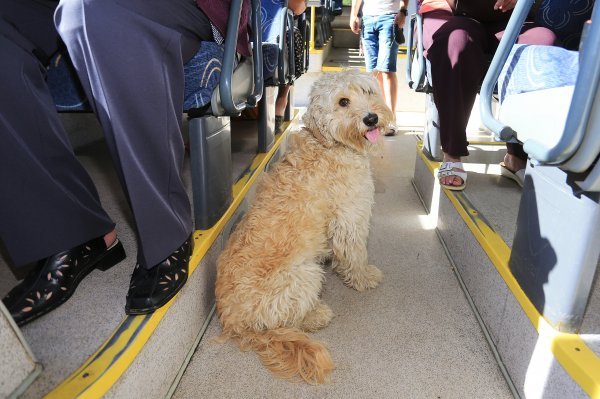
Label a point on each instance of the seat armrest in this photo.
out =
(502, 131)
(231, 105)
(418, 84)
(291, 46)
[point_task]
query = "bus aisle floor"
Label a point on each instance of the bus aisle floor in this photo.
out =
(413, 336)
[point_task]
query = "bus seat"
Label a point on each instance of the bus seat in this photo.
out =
(565, 18)
(522, 79)
(540, 80)
(324, 14)
(277, 38)
(216, 87)
(278, 64)
(202, 75)
(418, 77)
(555, 255)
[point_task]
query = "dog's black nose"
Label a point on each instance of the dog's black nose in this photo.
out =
(371, 119)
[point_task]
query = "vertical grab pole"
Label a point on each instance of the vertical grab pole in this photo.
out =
(313, 17)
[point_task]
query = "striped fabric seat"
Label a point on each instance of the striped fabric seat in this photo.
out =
(273, 14)
(202, 74)
(535, 89)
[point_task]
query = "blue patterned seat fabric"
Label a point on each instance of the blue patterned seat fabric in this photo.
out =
(270, 60)
(531, 68)
(272, 15)
(202, 75)
(565, 18)
(64, 86)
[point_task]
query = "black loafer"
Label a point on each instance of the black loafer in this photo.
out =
(55, 278)
(152, 288)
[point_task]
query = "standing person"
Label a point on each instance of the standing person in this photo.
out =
(129, 56)
(378, 40)
(457, 46)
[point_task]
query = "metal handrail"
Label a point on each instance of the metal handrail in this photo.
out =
(257, 54)
(291, 46)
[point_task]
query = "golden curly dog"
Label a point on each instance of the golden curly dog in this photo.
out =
(315, 204)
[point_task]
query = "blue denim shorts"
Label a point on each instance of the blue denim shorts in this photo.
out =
(381, 50)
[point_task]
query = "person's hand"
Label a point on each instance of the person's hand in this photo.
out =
(505, 5)
(400, 19)
(355, 24)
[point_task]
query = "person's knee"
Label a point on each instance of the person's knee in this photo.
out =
(74, 17)
(541, 36)
(458, 43)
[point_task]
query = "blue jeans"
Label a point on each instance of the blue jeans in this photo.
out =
(381, 50)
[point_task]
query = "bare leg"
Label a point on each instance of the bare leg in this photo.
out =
(514, 163)
(390, 89)
(378, 75)
(282, 99)
(110, 238)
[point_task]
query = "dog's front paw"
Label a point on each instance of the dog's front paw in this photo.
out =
(318, 318)
(364, 278)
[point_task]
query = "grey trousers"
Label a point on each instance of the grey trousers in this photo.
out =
(129, 55)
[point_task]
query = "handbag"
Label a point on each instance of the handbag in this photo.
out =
(480, 10)
(398, 34)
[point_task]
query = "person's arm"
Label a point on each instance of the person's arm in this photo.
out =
(505, 5)
(297, 6)
(402, 13)
(354, 20)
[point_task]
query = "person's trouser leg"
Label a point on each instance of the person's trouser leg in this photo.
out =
(48, 202)
(369, 36)
(454, 46)
(129, 55)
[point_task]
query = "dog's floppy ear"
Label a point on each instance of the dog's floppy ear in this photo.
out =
(312, 118)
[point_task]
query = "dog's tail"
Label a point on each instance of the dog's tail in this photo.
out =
(288, 352)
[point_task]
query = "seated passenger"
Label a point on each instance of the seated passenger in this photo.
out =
(129, 57)
(457, 48)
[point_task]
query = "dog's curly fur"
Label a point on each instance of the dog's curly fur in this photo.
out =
(315, 204)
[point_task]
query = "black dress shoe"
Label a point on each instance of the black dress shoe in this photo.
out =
(55, 278)
(152, 288)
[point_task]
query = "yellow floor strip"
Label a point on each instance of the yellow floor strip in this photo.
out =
(102, 370)
(576, 358)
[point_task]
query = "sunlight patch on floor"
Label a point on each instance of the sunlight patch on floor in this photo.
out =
(429, 221)
(482, 168)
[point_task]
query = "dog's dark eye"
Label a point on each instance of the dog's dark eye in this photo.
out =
(344, 102)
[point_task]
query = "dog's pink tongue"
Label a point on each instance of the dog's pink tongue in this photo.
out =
(373, 135)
